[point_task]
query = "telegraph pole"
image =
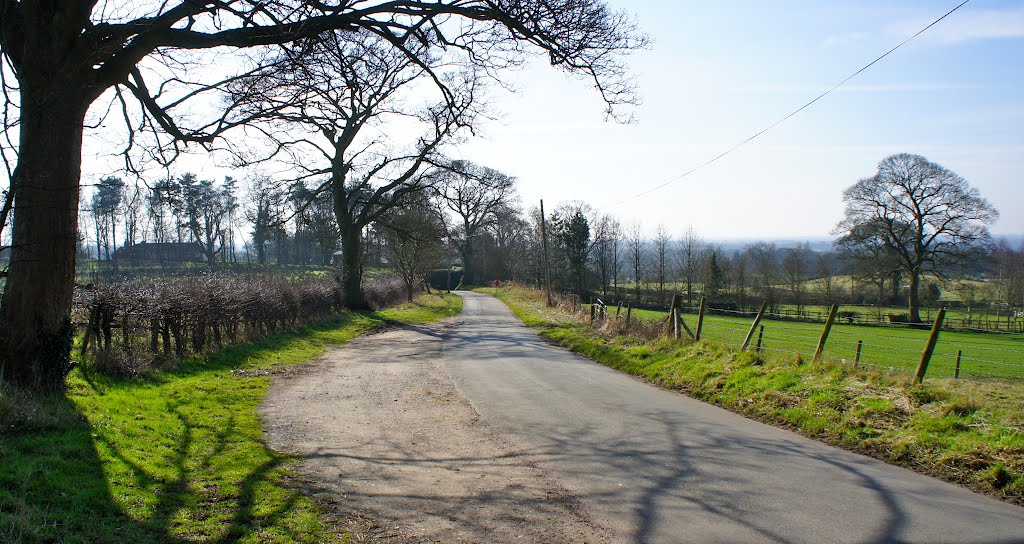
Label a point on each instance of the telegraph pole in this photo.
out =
(547, 266)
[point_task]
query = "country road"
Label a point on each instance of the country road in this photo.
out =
(477, 430)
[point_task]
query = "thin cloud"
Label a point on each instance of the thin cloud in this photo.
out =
(845, 39)
(969, 26)
(853, 88)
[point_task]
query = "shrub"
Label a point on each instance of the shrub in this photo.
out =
(129, 326)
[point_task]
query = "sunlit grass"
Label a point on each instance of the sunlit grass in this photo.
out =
(983, 354)
(178, 456)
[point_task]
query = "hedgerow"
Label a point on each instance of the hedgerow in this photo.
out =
(130, 327)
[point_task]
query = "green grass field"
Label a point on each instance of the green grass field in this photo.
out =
(982, 315)
(175, 457)
(984, 354)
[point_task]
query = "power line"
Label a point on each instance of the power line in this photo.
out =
(794, 112)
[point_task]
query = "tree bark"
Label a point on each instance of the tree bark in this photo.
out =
(352, 266)
(914, 300)
(468, 271)
(35, 314)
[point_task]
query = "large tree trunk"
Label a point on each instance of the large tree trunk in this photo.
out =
(35, 315)
(914, 300)
(352, 266)
(468, 272)
(261, 249)
(209, 250)
(410, 290)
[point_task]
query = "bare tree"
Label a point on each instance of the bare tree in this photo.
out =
(61, 57)
(512, 236)
(106, 206)
(691, 254)
(713, 272)
(316, 230)
(133, 202)
(794, 266)
(637, 257)
(871, 261)
(474, 194)
(765, 261)
(1008, 274)
(231, 204)
(414, 240)
(158, 203)
(662, 239)
(606, 238)
(200, 207)
(827, 271)
(316, 108)
(265, 197)
(927, 218)
(741, 276)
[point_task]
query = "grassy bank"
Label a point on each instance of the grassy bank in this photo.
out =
(983, 355)
(177, 457)
(970, 433)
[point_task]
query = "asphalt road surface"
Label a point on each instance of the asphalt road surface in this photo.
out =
(479, 431)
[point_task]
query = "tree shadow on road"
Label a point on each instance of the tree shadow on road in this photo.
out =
(704, 482)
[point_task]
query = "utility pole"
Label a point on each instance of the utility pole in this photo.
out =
(547, 267)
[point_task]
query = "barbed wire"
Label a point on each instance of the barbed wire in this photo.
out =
(988, 362)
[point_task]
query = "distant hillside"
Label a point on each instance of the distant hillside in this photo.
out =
(1015, 240)
(825, 244)
(817, 244)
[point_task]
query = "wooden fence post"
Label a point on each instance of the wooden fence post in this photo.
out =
(676, 322)
(824, 333)
(673, 320)
(926, 357)
(760, 335)
(682, 323)
(753, 326)
(956, 373)
(629, 313)
(677, 301)
(856, 362)
(700, 319)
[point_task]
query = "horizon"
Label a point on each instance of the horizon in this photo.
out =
(724, 72)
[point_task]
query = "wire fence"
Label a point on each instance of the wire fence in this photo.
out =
(961, 354)
(987, 317)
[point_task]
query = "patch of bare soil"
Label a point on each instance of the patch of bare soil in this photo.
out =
(389, 445)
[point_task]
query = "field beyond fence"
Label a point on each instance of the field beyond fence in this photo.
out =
(981, 355)
(960, 317)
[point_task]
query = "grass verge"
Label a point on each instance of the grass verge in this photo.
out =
(967, 432)
(176, 457)
(984, 355)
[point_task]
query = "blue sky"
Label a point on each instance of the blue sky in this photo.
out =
(720, 71)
